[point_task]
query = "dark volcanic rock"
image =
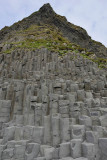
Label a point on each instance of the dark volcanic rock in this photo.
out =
(74, 33)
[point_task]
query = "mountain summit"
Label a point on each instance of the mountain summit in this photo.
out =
(47, 9)
(74, 33)
(47, 16)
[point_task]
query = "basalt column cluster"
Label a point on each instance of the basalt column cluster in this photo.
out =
(51, 107)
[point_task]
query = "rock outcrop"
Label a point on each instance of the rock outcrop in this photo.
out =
(52, 107)
(74, 33)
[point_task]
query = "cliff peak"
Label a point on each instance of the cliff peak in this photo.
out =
(47, 16)
(46, 8)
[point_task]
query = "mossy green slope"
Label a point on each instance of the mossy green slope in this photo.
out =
(39, 36)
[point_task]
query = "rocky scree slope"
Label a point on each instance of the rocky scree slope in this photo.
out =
(53, 96)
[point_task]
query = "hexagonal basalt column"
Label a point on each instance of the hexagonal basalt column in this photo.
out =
(76, 148)
(78, 132)
(103, 148)
(5, 110)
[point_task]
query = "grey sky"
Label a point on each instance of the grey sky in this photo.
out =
(89, 14)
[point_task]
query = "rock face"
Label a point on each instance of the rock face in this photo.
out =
(51, 107)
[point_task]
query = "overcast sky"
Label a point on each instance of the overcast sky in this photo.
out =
(89, 14)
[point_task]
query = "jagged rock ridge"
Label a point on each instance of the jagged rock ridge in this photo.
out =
(52, 106)
(75, 34)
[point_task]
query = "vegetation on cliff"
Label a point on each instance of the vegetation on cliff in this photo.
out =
(47, 29)
(39, 36)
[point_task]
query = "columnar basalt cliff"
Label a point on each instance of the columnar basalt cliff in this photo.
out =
(53, 91)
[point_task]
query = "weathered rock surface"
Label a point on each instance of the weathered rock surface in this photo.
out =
(46, 15)
(52, 110)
